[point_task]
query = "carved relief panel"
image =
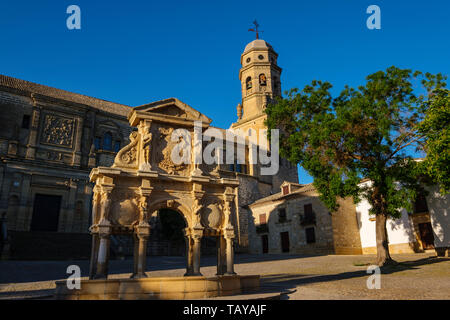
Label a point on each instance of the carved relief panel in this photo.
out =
(124, 208)
(58, 131)
(162, 152)
(211, 216)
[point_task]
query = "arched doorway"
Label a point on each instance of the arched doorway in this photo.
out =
(167, 237)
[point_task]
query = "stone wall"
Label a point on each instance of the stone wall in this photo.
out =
(346, 228)
(46, 148)
(250, 189)
(294, 224)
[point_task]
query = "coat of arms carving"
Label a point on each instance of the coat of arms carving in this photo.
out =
(166, 146)
(58, 131)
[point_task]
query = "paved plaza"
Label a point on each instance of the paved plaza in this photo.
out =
(418, 276)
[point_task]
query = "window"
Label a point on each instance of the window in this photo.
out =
(117, 146)
(260, 57)
(26, 121)
(282, 215)
(262, 79)
(97, 143)
(262, 219)
(420, 204)
(107, 141)
(237, 167)
(309, 216)
(248, 83)
(285, 190)
(310, 235)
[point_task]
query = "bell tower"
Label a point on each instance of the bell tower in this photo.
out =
(260, 83)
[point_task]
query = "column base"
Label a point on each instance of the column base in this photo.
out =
(230, 273)
(193, 274)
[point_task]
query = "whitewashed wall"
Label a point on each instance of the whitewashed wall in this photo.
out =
(439, 207)
(399, 230)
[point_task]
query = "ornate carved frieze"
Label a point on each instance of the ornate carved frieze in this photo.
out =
(127, 156)
(58, 131)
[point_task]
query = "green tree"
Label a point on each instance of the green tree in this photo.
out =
(368, 132)
(436, 127)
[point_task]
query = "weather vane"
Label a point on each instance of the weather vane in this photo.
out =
(256, 29)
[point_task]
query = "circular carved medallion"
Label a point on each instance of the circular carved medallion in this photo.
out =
(125, 212)
(211, 216)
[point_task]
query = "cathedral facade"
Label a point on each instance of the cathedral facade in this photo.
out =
(51, 139)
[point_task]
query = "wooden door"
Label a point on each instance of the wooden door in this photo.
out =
(426, 235)
(46, 213)
(284, 241)
(265, 243)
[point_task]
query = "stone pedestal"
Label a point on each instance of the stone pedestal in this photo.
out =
(159, 288)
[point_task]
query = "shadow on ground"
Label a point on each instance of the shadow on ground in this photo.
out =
(32, 271)
(289, 282)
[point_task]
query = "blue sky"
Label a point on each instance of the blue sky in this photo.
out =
(134, 52)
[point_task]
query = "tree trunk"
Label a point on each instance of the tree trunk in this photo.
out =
(383, 256)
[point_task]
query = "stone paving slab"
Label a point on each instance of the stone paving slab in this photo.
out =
(418, 276)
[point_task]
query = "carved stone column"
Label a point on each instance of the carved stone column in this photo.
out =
(94, 255)
(32, 138)
(197, 196)
(142, 234)
(189, 252)
(103, 251)
(229, 236)
(146, 141)
(228, 199)
(197, 155)
(92, 157)
(73, 187)
(197, 235)
(105, 204)
(95, 237)
(221, 255)
(135, 255)
(76, 159)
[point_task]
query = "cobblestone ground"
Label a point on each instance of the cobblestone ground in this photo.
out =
(418, 276)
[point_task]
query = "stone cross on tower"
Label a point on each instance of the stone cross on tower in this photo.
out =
(255, 30)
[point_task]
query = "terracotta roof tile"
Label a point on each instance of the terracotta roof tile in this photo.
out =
(277, 196)
(31, 87)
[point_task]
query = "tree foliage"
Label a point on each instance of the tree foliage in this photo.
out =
(436, 127)
(367, 132)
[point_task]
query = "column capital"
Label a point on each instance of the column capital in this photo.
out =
(197, 233)
(145, 191)
(106, 189)
(227, 197)
(228, 233)
(104, 230)
(142, 230)
(187, 232)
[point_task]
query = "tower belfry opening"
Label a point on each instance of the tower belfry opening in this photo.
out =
(260, 83)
